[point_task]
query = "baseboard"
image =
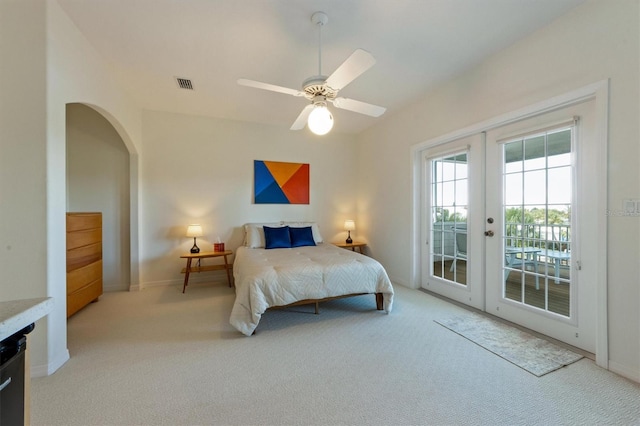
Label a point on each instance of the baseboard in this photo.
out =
(194, 278)
(395, 280)
(44, 370)
(106, 289)
(624, 371)
(163, 283)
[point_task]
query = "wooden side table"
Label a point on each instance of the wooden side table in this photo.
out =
(353, 246)
(203, 255)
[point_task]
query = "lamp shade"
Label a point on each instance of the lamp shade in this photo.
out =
(349, 225)
(320, 120)
(194, 231)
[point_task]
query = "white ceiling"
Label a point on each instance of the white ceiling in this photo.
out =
(417, 44)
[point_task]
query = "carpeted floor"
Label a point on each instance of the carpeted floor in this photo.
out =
(160, 357)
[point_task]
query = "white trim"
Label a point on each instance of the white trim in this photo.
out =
(598, 91)
(44, 370)
(576, 224)
(209, 277)
(417, 224)
(448, 153)
(601, 92)
(624, 371)
(539, 130)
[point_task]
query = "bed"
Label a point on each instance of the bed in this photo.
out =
(272, 277)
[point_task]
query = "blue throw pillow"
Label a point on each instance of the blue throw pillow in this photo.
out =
(276, 237)
(301, 237)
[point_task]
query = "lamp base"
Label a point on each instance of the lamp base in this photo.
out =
(195, 248)
(349, 240)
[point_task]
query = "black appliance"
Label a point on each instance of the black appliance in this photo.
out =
(12, 351)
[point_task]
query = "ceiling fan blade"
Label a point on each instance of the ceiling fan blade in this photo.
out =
(301, 121)
(271, 87)
(359, 61)
(360, 107)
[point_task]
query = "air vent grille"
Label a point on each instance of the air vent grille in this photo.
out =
(184, 83)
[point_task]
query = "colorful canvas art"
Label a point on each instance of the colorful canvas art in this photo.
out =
(280, 183)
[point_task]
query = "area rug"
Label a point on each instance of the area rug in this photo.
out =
(535, 355)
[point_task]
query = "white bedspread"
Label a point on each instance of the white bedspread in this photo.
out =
(277, 277)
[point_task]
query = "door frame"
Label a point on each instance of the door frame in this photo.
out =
(599, 92)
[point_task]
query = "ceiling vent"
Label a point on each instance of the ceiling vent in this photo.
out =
(184, 83)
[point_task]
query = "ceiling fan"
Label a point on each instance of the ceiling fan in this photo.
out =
(320, 89)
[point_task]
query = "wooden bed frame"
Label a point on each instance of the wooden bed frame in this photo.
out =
(316, 302)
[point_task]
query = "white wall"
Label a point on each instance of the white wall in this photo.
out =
(46, 65)
(200, 170)
(98, 181)
(596, 41)
(75, 74)
(23, 159)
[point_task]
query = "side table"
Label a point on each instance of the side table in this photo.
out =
(353, 246)
(203, 255)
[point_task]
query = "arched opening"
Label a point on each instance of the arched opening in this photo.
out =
(101, 175)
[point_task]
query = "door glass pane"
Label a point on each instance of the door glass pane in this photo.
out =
(534, 187)
(534, 153)
(559, 194)
(537, 179)
(514, 157)
(513, 188)
(449, 203)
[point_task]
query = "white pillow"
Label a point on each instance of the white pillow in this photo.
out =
(254, 233)
(317, 237)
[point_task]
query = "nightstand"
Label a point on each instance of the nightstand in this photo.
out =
(353, 246)
(203, 255)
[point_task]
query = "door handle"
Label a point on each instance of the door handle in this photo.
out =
(488, 233)
(5, 384)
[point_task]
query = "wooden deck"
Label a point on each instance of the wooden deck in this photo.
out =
(559, 294)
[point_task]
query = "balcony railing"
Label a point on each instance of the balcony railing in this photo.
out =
(551, 237)
(556, 237)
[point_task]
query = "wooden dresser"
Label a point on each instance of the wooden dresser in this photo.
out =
(84, 260)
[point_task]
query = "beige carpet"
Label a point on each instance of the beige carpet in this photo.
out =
(160, 357)
(535, 355)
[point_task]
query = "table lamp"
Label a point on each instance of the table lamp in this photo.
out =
(194, 231)
(349, 225)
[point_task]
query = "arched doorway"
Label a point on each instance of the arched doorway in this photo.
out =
(99, 178)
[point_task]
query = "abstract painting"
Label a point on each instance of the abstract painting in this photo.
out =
(280, 183)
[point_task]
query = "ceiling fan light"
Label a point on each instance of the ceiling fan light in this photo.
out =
(320, 120)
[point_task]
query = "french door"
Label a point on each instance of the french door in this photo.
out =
(453, 174)
(508, 217)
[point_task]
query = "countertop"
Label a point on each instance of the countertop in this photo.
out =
(17, 314)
